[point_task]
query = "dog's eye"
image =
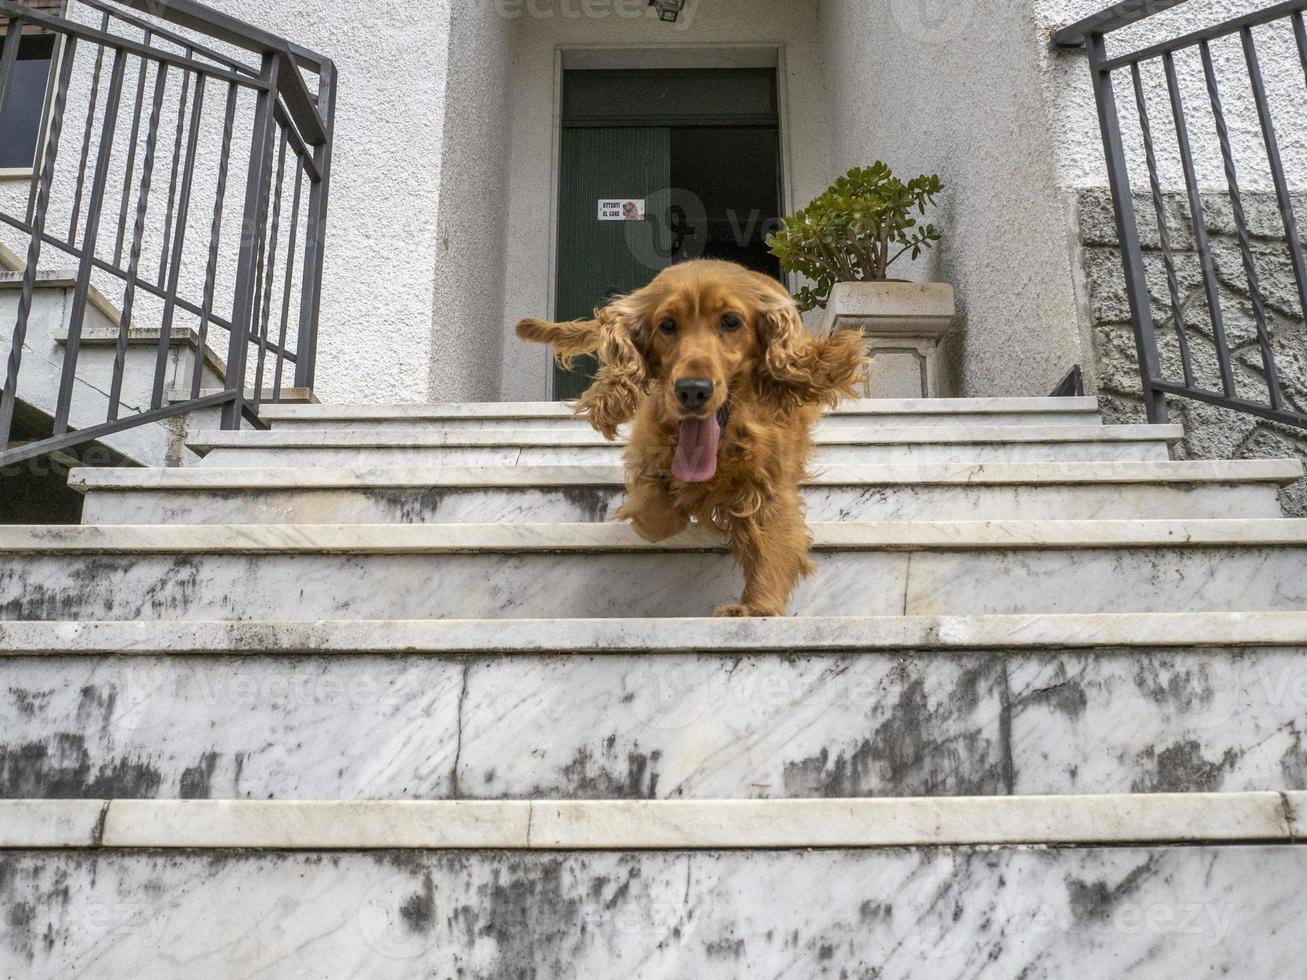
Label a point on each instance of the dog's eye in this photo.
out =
(731, 321)
(667, 325)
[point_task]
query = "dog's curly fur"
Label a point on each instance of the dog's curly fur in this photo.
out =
(741, 330)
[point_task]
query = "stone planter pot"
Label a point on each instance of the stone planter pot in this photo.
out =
(903, 323)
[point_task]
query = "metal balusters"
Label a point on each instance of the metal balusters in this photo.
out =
(1277, 167)
(1241, 230)
(289, 277)
(1290, 15)
(9, 396)
(9, 61)
(138, 236)
(284, 112)
(1201, 241)
(90, 238)
(172, 181)
(1127, 232)
(256, 213)
(315, 238)
(271, 274)
(86, 138)
(178, 247)
(1163, 233)
(1300, 35)
(127, 17)
(132, 144)
(211, 269)
(60, 46)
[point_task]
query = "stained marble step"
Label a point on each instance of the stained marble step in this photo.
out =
(859, 412)
(446, 571)
(537, 447)
(1173, 909)
(655, 709)
(437, 495)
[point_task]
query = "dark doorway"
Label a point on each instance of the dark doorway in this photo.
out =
(698, 151)
(736, 173)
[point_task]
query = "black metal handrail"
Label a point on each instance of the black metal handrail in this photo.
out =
(168, 55)
(1091, 34)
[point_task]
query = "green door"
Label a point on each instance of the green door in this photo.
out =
(600, 259)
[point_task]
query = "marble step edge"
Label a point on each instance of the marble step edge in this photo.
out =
(283, 539)
(500, 410)
(1087, 820)
(1275, 471)
(725, 637)
(205, 441)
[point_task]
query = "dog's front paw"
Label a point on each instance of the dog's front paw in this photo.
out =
(652, 524)
(740, 611)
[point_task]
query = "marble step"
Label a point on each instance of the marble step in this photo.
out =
(537, 447)
(1170, 908)
(447, 571)
(428, 494)
(613, 825)
(655, 709)
(858, 412)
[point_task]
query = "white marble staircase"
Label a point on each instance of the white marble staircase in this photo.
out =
(380, 693)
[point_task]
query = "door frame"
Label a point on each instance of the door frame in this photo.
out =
(621, 56)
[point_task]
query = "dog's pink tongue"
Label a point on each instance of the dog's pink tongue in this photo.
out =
(696, 451)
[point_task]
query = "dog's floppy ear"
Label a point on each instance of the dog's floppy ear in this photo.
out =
(623, 348)
(797, 367)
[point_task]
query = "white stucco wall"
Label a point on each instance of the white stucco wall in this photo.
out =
(954, 89)
(787, 25)
(378, 323)
(472, 219)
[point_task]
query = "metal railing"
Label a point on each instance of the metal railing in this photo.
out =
(1248, 31)
(146, 68)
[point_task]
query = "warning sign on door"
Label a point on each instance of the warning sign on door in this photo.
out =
(613, 209)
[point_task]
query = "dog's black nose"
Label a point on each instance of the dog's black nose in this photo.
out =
(693, 393)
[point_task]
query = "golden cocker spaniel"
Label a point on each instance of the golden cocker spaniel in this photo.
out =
(724, 385)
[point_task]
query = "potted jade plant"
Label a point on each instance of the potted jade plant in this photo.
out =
(844, 243)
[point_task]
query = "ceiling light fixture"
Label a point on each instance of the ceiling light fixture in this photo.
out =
(668, 10)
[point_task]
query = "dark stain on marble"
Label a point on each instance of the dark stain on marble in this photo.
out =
(409, 505)
(28, 703)
(1065, 695)
(724, 949)
(593, 503)
(533, 917)
(1293, 762)
(196, 779)
(419, 910)
(920, 749)
(61, 768)
(1095, 901)
(605, 775)
(1182, 768)
(95, 587)
(96, 704)
(1186, 688)
(19, 918)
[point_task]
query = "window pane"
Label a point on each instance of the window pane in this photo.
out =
(20, 126)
